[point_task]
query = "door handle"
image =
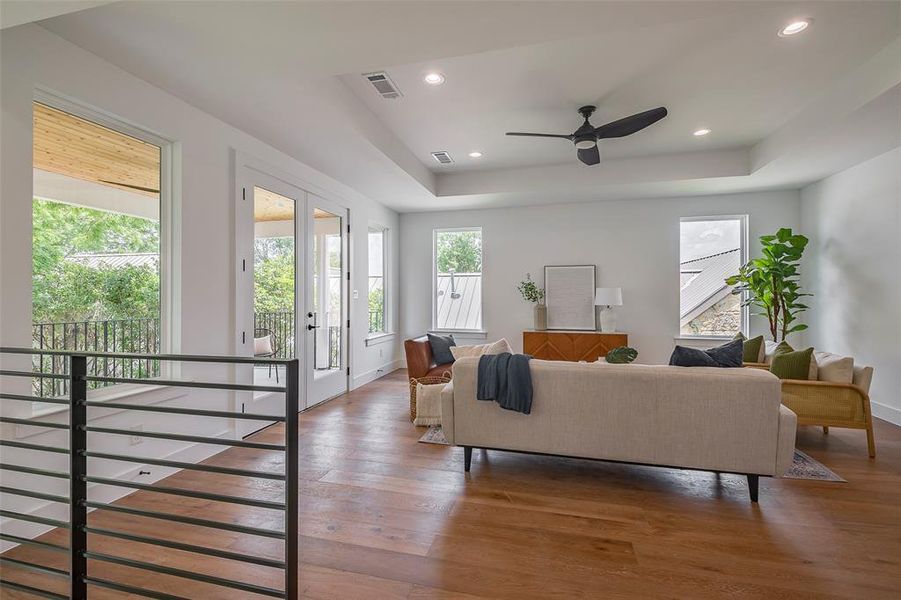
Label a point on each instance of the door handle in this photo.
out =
(312, 327)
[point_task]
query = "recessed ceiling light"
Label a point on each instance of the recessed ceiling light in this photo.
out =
(475, 154)
(795, 27)
(434, 78)
(701, 132)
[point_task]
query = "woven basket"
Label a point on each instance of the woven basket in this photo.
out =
(424, 381)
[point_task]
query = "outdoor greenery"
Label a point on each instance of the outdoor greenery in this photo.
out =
(459, 251)
(65, 289)
(772, 282)
(274, 274)
(529, 290)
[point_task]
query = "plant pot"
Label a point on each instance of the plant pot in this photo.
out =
(540, 317)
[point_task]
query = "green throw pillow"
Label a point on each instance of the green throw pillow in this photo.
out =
(789, 363)
(751, 347)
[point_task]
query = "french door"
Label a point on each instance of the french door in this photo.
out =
(291, 285)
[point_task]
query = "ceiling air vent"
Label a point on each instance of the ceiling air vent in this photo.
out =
(442, 157)
(383, 85)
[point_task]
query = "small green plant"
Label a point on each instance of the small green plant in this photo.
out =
(529, 290)
(771, 282)
(622, 355)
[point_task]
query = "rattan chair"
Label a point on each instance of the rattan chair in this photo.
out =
(831, 404)
(261, 332)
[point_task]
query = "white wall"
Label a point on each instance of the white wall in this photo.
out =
(634, 243)
(853, 269)
(33, 58)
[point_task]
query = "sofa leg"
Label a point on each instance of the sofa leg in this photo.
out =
(753, 481)
(825, 430)
(467, 458)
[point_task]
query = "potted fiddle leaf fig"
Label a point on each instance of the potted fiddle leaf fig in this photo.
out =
(532, 293)
(772, 282)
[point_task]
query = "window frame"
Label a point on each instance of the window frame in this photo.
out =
(170, 230)
(434, 326)
(744, 329)
(386, 317)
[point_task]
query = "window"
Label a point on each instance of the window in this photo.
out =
(458, 279)
(710, 250)
(377, 300)
(96, 247)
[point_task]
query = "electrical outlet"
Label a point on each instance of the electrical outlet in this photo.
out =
(134, 440)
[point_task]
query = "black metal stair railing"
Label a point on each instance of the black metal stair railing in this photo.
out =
(80, 581)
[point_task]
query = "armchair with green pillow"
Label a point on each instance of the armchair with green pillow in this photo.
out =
(821, 388)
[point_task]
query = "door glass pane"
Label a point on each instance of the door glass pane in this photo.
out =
(328, 265)
(274, 278)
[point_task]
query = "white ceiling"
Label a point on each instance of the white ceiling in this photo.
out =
(773, 103)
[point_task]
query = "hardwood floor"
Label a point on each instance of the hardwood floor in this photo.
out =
(382, 516)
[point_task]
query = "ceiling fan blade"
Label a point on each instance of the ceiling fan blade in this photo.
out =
(629, 125)
(550, 135)
(590, 156)
(128, 185)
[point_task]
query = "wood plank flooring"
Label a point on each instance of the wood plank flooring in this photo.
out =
(382, 516)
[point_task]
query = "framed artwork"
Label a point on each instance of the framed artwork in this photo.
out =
(569, 294)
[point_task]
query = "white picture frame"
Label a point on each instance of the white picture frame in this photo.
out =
(569, 295)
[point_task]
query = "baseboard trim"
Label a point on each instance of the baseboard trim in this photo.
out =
(886, 413)
(376, 373)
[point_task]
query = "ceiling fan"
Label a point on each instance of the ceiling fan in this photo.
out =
(586, 137)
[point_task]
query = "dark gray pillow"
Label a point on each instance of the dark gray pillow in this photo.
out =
(441, 348)
(728, 355)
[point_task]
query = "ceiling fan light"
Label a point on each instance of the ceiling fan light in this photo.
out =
(586, 143)
(795, 27)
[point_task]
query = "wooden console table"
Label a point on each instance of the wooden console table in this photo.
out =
(571, 345)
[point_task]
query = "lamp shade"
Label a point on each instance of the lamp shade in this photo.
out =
(612, 296)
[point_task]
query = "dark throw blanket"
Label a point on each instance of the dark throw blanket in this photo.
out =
(506, 379)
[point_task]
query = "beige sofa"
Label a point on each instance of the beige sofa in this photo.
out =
(724, 420)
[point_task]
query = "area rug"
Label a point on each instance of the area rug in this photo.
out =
(434, 436)
(803, 466)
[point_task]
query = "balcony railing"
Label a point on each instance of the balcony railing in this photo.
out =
(376, 321)
(281, 324)
(134, 336)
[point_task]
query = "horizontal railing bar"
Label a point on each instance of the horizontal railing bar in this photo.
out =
(26, 398)
(238, 387)
(270, 533)
(257, 560)
(192, 575)
(187, 411)
(10, 373)
(33, 471)
(208, 358)
(35, 567)
(188, 438)
(129, 589)
(11, 514)
(31, 423)
(185, 465)
(187, 493)
(30, 542)
(27, 446)
(21, 587)
(5, 489)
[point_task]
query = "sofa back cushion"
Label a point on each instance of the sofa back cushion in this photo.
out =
(832, 367)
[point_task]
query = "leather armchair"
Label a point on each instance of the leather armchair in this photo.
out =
(420, 362)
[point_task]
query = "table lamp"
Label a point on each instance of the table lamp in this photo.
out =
(608, 297)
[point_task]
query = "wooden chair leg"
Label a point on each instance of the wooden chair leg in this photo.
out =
(871, 440)
(825, 430)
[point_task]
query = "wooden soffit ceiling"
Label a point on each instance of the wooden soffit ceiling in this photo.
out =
(269, 206)
(70, 146)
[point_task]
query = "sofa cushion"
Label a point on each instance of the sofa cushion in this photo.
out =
(863, 377)
(788, 363)
(727, 355)
(497, 347)
(832, 367)
(441, 345)
(753, 348)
